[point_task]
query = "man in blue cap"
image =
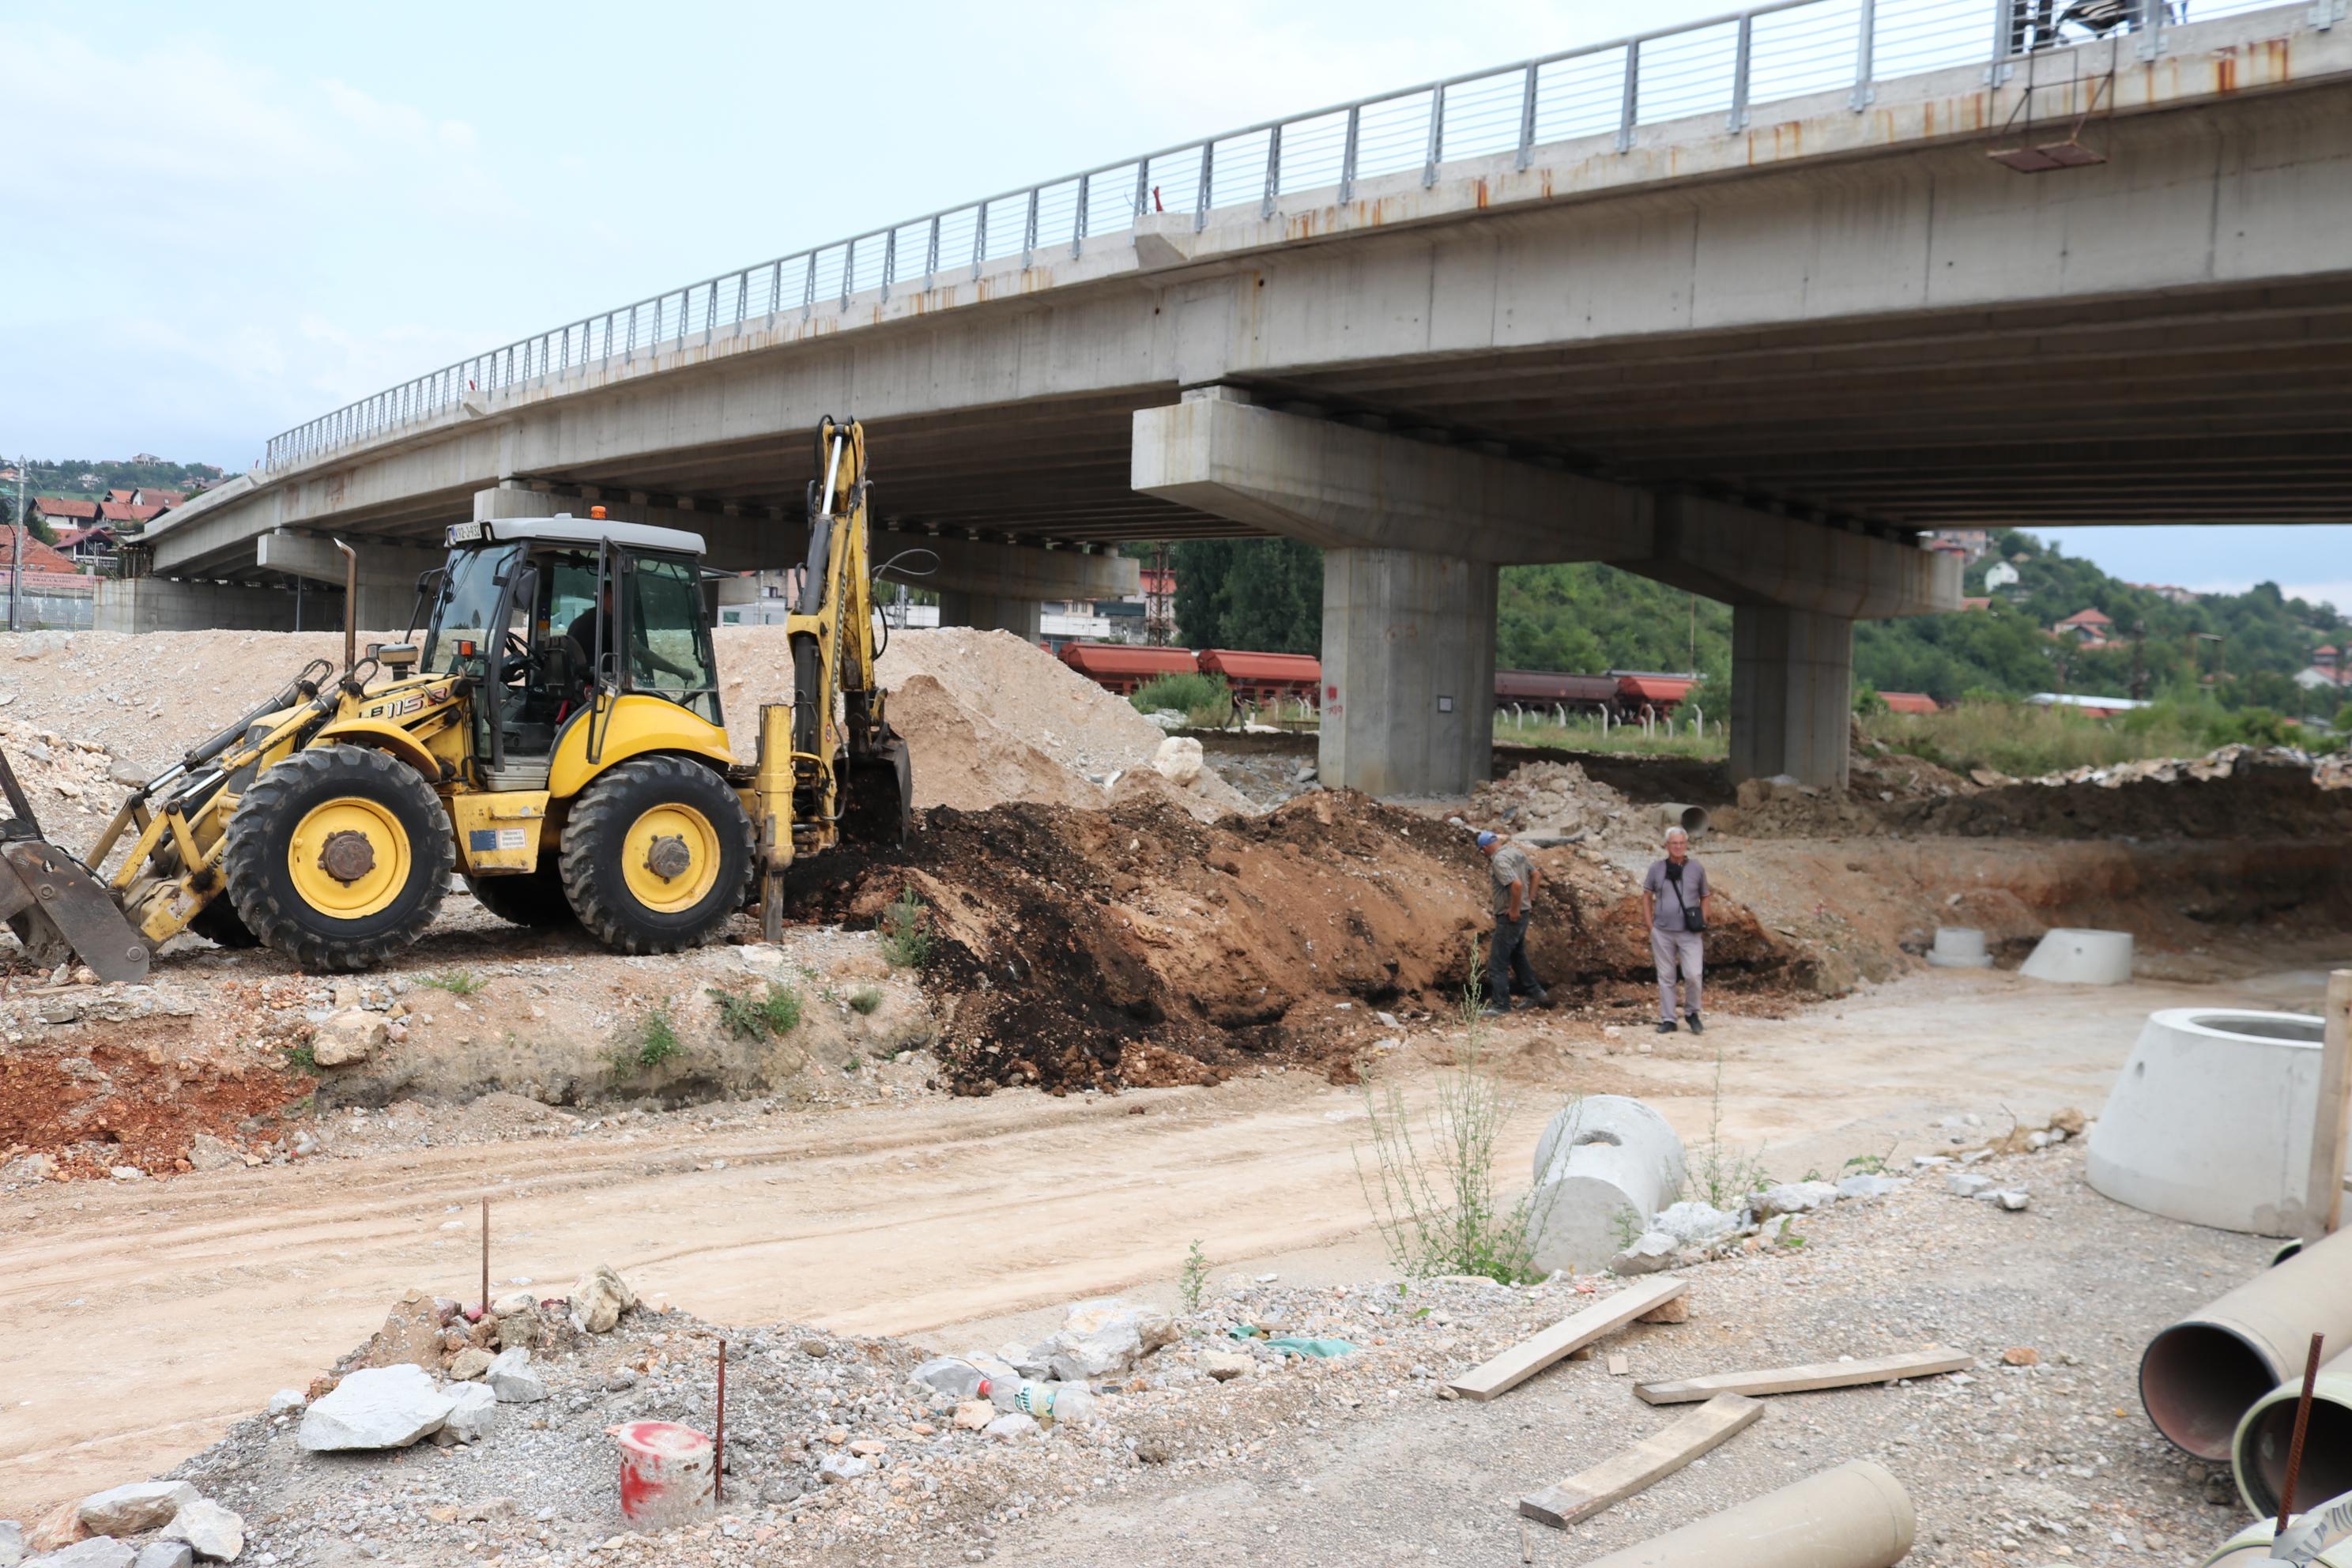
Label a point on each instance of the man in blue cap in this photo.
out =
(1507, 968)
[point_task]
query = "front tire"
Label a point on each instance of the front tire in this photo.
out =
(337, 856)
(657, 855)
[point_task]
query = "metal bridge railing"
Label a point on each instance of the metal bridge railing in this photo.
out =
(1787, 49)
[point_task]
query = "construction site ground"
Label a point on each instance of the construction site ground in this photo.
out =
(1150, 1014)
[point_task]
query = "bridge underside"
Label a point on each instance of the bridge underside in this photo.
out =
(1747, 365)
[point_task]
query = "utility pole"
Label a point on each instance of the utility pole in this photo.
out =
(17, 552)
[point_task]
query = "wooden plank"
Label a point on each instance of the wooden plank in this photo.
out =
(1798, 1379)
(2323, 1194)
(1532, 1355)
(1652, 1458)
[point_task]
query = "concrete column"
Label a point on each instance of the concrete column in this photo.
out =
(169, 604)
(993, 612)
(388, 574)
(1791, 694)
(1408, 672)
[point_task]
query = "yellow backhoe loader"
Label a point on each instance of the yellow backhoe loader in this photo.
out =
(555, 737)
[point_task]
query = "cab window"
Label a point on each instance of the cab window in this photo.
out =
(669, 644)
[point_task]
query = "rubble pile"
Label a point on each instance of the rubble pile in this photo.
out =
(1556, 803)
(1692, 1232)
(412, 1449)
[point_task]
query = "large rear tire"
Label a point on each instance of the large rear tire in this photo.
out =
(657, 855)
(218, 923)
(535, 900)
(337, 856)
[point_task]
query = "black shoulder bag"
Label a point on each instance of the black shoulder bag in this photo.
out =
(1693, 919)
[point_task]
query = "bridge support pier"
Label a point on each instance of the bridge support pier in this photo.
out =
(1024, 618)
(172, 604)
(1791, 694)
(1408, 672)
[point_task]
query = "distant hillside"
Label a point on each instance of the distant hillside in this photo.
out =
(1585, 616)
(86, 479)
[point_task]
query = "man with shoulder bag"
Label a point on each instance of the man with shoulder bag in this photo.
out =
(1674, 905)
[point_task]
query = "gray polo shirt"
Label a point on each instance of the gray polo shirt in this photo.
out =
(1667, 915)
(1510, 866)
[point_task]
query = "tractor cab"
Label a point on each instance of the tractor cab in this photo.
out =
(553, 617)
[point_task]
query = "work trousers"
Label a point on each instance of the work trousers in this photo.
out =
(1507, 968)
(1673, 950)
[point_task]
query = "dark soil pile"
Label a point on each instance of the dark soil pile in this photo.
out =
(1097, 949)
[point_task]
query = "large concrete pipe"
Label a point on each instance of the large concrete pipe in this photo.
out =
(2199, 1377)
(2080, 957)
(1855, 1516)
(1602, 1168)
(2209, 1121)
(1692, 819)
(2258, 1452)
(2327, 1526)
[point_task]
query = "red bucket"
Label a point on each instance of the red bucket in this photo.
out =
(668, 1474)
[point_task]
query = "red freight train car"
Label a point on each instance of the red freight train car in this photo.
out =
(1263, 678)
(1124, 666)
(1541, 691)
(1661, 694)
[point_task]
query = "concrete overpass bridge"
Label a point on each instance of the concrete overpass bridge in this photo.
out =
(1744, 307)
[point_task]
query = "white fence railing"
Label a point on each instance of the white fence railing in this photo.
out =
(1790, 48)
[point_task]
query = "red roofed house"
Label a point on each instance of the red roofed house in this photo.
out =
(127, 514)
(148, 496)
(2084, 626)
(1909, 703)
(1976, 603)
(61, 513)
(38, 557)
(95, 542)
(2323, 656)
(122, 498)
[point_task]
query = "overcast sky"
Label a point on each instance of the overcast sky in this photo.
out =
(237, 216)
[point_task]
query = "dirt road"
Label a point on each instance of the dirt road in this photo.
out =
(142, 1317)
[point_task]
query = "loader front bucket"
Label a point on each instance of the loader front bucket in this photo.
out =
(58, 911)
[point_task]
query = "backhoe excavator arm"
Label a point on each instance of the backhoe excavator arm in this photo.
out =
(829, 759)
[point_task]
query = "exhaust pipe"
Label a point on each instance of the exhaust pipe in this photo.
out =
(2258, 1453)
(352, 607)
(2199, 1377)
(1855, 1516)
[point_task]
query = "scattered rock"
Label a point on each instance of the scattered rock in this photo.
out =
(599, 1299)
(1865, 1184)
(1794, 1197)
(1225, 1366)
(512, 1379)
(1179, 760)
(377, 1407)
(469, 1363)
(1694, 1223)
(473, 1415)
(134, 1510)
(2021, 1355)
(519, 1331)
(1106, 1336)
(31, 1168)
(1653, 1252)
(836, 1469)
(348, 1036)
(974, 1414)
(287, 1401)
(1674, 1311)
(411, 1335)
(1967, 1184)
(12, 1544)
(2014, 1199)
(213, 1532)
(1011, 1426)
(2070, 1121)
(165, 1555)
(61, 1526)
(98, 1552)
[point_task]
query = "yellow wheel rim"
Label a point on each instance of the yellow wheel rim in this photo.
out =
(348, 858)
(670, 858)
